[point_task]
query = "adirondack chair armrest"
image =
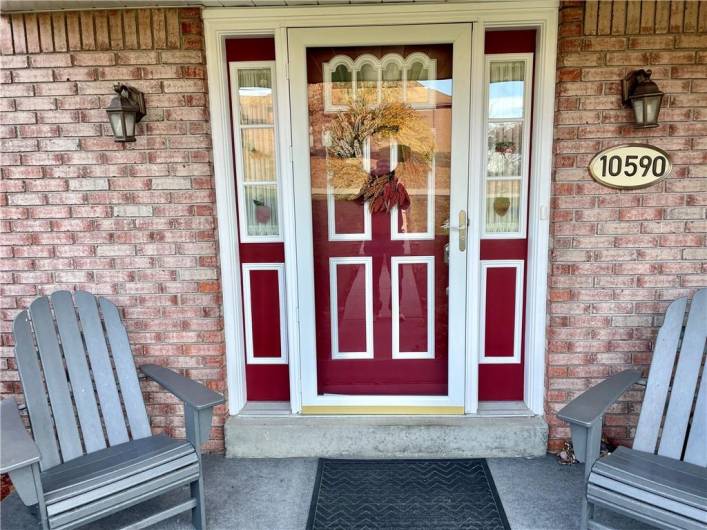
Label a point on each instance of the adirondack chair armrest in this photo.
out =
(189, 391)
(17, 449)
(198, 400)
(585, 413)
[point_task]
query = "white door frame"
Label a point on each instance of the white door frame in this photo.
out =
(299, 39)
(222, 23)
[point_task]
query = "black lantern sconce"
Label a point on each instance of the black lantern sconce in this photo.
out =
(126, 109)
(644, 96)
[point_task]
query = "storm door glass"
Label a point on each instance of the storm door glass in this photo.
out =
(380, 153)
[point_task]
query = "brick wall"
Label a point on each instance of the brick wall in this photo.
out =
(620, 257)
(134, 222)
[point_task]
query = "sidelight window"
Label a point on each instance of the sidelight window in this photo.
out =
(255, 144)
(508, 78)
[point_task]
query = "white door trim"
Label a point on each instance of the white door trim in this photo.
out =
(221, 23)
(299, 39)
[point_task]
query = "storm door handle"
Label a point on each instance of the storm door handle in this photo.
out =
(463, 224)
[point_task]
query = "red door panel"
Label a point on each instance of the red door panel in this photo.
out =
(267, 377)
(502, 378)
(500, 311)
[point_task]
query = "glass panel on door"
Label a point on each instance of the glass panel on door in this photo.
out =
(380, 123)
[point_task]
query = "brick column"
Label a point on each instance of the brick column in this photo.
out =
(620, 257)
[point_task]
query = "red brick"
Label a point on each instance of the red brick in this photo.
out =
(75, 74)
(13, 61)
(50, 60)
(604, 43)
(672, 57)
(186, 85)
(32, 76)
(654, 42)
(119, 73)
(160, 72)
(689, 72)
(137, 57)
(181, 57)
(55, 89)
(94, 58)
(686, 40)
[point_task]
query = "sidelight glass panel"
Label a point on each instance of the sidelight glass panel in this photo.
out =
(507, 133)
(506, 86)
(261, 209)
(258, 154)
(505, 149)
(255, 96)
(255, 137)
(503, 205)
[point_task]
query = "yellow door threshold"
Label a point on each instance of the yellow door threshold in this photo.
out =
(319, 410)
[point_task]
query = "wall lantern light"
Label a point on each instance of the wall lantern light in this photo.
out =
(644, 96)
(126, 109)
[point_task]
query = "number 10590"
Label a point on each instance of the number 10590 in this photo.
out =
(632, 165)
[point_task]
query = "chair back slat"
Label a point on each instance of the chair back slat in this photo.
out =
(35, 394)
(125, 369)
(696, 450)
(55, 377)
(79, 373)
(682, 396)
(101, 368)
(661, 371)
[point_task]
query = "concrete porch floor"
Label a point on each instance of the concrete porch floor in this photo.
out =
(274, 494)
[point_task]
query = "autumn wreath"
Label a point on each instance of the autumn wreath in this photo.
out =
(347, 135)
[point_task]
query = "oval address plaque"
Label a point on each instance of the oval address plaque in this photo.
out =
(630, 166)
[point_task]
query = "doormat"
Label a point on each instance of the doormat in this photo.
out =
(357, 494)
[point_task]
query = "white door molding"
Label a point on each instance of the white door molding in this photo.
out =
(299, 39)
(221, 23)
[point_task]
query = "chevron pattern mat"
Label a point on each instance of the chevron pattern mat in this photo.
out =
(376, 494)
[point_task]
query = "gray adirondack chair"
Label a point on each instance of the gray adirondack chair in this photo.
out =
(662, 481)
(93, 453)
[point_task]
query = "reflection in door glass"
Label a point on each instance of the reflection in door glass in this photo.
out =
(506, 85)
(505, 149)
(380, 155)
(255, 96)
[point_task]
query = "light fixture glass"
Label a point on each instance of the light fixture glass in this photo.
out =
(644, 96)
(652, 108)
(124, 111)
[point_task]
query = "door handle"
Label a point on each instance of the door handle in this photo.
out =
(463, 223)
(462, 229)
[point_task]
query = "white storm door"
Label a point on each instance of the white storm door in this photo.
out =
(381, 280)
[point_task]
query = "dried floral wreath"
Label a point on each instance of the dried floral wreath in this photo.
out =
(348, 133)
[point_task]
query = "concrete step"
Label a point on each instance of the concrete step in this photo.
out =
(250, 436)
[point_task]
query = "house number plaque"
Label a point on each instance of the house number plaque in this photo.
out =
(630, 166)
